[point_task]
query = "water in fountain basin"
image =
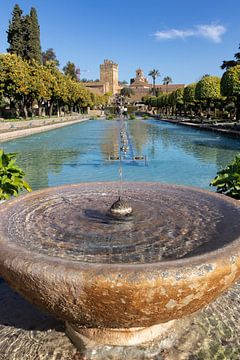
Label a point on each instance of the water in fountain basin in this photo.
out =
(166, 223)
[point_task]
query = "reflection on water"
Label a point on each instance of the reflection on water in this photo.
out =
(79, 153)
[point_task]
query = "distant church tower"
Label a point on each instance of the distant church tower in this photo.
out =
(140, 77)
(109, 74)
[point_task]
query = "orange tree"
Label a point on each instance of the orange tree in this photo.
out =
(208, 90)
(15, 81)
(230, 87)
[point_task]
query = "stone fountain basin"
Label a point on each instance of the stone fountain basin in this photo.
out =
(118, 294)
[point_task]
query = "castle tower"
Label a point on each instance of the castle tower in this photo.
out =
(140, 77)
(109, 74)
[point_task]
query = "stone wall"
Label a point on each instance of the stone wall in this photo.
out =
(97, 87)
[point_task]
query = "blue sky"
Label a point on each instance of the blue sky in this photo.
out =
(182, 39)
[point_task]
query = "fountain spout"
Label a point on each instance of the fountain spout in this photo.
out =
(120, 208)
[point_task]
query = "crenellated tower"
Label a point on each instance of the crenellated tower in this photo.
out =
(109, 74)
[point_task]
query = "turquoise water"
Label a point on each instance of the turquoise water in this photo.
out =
(78, 153)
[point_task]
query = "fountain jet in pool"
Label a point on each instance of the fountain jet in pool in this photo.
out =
(120, 281)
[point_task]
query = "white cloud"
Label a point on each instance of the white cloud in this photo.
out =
(173, 34)
(210, 32)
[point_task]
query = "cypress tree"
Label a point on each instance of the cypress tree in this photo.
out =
(31, 31)
(15, 32)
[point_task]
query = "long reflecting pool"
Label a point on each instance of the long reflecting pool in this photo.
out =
(79, 153)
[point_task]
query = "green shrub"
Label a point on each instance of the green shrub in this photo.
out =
(132, 117)
(111, 117)
(145, 117)
(228, 179)
(226, 115)
(11, 177)
(94, 117)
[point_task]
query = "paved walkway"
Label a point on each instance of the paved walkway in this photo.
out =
(15, 129)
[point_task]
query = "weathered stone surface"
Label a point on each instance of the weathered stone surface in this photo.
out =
(26, 333)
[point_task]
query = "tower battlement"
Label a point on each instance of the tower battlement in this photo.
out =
(109, 62)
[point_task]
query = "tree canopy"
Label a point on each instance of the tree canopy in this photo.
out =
(15, 32)
(126, 91)
(230, 82)
(32, 37)
(189, 93)
(71, 70)
(208, 88)
(230, 86)
(154, 73)
(24, 83)
(24, 35)
(230, 63)
(167, 80)
(49, 55)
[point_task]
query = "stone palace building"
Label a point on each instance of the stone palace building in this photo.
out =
(140, 85)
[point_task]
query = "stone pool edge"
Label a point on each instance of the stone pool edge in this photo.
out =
(42, 127)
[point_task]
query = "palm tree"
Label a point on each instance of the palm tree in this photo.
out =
(167, 80)
(154, 73)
